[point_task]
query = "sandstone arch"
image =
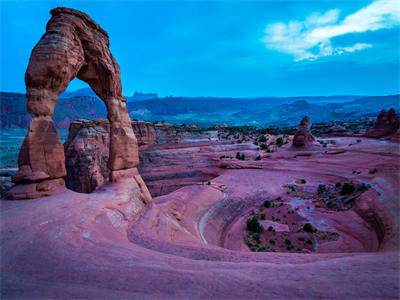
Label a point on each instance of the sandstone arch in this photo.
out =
(72, 46)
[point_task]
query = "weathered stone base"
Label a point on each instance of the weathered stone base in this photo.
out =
(129, 174)
(35, 190)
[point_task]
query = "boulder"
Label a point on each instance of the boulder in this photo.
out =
(387, 124)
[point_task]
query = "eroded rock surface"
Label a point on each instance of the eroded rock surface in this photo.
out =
(72, 46)
(303, 139)
(386, 124)
(170, 156)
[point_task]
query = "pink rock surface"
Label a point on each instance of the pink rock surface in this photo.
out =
(189, 243)
(386, 124)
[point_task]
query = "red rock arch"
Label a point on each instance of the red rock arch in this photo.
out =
(72, 46)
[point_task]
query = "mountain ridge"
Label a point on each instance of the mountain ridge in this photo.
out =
(206, 111)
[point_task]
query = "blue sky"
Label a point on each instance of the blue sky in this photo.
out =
(227, 48)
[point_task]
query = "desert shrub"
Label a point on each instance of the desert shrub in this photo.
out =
(347, 188)
(264, 146)
(256, 236)
(301, 181)
(262, 139)
(308, 227)
(287, 242)
(272, 241)
(267, 204)
(270, 228)
(338, 184)
(321, 189)
(279, 141)
(240, 156)
(262, 216)
(310, 242)
(362, 187)
(258, 158)
(252, 225)
(255, 143)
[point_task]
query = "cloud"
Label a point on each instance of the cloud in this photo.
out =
(311, 39)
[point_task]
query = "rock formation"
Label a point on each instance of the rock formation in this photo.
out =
(336, 130)
(144, 132)
(72, 46)
(386, 124)
(167, 154)
(303, 139)
(87, 153)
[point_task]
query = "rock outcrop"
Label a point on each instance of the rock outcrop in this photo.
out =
(336, 130)
(72, 46)
(303, 139)
(144, 132)
(387, 124)
(87, 153)
(167, 154)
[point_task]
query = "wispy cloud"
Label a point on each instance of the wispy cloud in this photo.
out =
(311, 39)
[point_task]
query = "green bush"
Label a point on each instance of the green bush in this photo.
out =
(252, 225)
(258, 158)
(262, 139)
(279, 141)
(321, 189)
(301, 181)
(347, 188)
(308, 227)
(267, 204)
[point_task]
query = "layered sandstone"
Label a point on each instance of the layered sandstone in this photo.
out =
(386, 124)
(170, 156)
(72, 46)
(303, 139)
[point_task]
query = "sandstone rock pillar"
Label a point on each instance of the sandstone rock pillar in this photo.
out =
(303, 139)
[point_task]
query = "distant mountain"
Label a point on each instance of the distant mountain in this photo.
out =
(137, 96)
(14, 114)
(84, 92)
(88, 92)
(205, 111)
